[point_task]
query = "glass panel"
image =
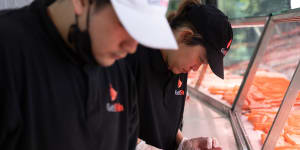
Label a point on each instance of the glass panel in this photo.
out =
(290, 137)
(270, 83)
(249, 8)
(235, 63)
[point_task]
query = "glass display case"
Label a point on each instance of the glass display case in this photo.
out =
(251, 8)
(260, 94)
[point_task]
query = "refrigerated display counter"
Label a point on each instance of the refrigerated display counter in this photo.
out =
(260, 94)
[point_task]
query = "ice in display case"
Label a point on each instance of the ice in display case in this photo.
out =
(260, 93)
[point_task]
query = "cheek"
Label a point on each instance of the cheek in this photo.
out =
(183, 59)
(192, 58)
(103, 40)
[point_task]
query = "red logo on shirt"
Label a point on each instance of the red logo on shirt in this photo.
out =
(179, 92)
(179, 83)
(113, 93)
(112, 106)
(117, 107)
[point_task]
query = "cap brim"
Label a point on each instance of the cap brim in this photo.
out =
(151, 30)
(215, 61)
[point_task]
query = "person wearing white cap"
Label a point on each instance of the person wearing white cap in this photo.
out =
(63, 85)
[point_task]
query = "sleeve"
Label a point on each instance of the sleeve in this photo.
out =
(9, 104)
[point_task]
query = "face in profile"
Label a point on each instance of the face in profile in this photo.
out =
(109, 39)
(187, 58)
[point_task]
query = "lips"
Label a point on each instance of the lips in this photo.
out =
(118, 56)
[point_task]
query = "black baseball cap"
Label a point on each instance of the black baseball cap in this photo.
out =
(216, 32)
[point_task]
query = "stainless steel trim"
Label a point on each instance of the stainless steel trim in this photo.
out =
(248, 22)
(245, 135)
(283, 112)
(239, 135)
(289, 16)
(253, 65)
(209, 100)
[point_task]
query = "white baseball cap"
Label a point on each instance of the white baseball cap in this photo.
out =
(146, 22)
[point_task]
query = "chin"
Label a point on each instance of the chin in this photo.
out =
(106, 62)
(175, 71)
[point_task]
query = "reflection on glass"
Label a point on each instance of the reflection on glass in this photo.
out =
(269, 86)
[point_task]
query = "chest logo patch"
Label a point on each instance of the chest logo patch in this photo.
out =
(179, 84)
(113, 93)
(179, 91)
(112, 105)
(116, 107)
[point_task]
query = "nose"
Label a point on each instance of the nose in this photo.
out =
(129, 45)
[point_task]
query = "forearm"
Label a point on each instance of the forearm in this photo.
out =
(179, 137)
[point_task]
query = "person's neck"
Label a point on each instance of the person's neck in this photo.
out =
(62, 15)
(164, 54)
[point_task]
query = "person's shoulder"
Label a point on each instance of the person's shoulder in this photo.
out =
(145, 51)
(141, 54)
(15, 23)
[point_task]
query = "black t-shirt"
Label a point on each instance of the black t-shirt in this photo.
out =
(161, 97)
(48, 102)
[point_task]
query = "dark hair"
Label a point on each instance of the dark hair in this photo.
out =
(178, 19)
(100, 3)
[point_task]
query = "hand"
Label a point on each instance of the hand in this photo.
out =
(200, 143)
(142, 145)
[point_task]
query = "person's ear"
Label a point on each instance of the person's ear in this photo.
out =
(80, 6)
(184, 35)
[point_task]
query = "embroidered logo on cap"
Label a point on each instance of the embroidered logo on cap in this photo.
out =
(225, 50)
(111, 106)
(159, 2)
